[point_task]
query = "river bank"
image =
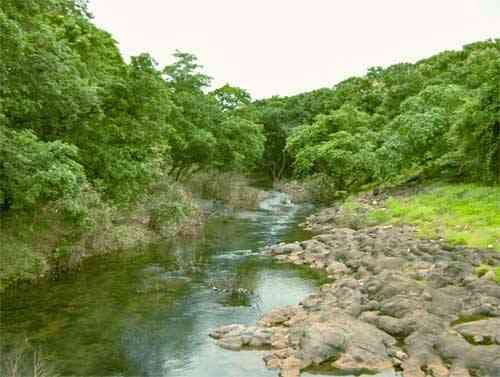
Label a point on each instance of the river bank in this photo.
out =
(45, 245)
(400, 305)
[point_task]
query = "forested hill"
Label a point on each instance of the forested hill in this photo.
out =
(84, 133)
(74, 116)
(438, 117)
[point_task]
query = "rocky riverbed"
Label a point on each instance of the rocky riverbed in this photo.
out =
(397, 303)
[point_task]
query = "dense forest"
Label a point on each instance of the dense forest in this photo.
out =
(438, 117)
(81, 129)
(75, 117)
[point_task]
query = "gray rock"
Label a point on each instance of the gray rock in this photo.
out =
(388, 285)
(483, 330)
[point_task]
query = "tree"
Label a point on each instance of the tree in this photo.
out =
(477, 127)
(209, 130)
(123, 148)
(231, 98)
(438, 117)
(184, 74)
(192, 142)
(33, 172)
(239, 144)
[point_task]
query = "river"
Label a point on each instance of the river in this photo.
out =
(149, 313)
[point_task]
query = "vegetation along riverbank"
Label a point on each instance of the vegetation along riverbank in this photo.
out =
(100, 154)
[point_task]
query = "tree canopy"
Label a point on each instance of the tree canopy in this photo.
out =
(74, 113)
(438, 117)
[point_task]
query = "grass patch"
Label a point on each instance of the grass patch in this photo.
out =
(490, 272)
(463, 214)
(353, 214)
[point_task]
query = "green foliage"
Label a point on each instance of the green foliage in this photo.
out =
(209, 131)
(85, 136)
(168, 206)
(322, 189)
(123, 150)
(240, 144)
(64, 80)
(276, 130)
(33, 172)
(43, 84)
(439, 116)
(184, 74)
(339, 145)
(231, 98)
(279, 116)
(478, 121)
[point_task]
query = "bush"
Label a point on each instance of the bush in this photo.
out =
(232, 189)
(34, 173)
(296, 190)
(171, 209)
(323, 190)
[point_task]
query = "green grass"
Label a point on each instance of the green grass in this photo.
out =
(493, 272)
(463, 214)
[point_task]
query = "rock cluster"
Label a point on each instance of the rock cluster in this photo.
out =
(397, 302)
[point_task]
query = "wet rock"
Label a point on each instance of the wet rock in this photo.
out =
(233, 343)
(224, 330)
(483, 360)
(235, 337)
(284, 249)
(319, 342)
(393, 304)
(278, 316)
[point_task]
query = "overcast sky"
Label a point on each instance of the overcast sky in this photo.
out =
(286, 47)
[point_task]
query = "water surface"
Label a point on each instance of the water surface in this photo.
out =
(149, 313)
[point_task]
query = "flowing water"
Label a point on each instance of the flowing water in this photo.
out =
(149, 313)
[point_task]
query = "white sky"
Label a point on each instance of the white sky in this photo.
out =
(286, 47)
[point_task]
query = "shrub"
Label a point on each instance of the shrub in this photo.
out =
(33, 172)
(322, 189)
(171, 209)
(232, 189)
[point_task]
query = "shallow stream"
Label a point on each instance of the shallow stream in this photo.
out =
(149, 313)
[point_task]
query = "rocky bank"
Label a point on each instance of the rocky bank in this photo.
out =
(396, 303)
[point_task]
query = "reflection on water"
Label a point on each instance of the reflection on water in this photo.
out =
(149, 314)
